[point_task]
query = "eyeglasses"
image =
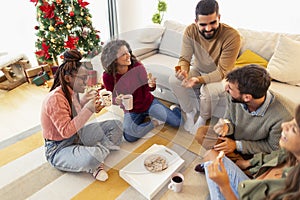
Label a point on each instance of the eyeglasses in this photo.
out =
(83, 77)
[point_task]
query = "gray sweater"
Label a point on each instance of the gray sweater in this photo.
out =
(257, 133)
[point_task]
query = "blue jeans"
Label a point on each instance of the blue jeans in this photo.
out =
(135, 127)
(84, 154)
(236, 175)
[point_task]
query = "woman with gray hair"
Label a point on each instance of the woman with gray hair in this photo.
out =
(124, 74)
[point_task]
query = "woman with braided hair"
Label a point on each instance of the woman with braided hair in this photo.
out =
(71, 144)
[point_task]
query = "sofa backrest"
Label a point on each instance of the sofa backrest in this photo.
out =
(261, 42)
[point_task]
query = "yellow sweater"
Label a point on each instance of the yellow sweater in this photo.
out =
(214, 57)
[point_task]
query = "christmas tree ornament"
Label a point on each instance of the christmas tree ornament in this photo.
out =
(68, 26)
(52, 40)
(51, 28)
(72, 14)
(58, 1)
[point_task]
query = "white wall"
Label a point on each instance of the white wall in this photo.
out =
(18, 34)
(262, 15)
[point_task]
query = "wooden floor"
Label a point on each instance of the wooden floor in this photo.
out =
(20, 109)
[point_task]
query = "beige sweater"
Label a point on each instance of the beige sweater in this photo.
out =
(214, 57)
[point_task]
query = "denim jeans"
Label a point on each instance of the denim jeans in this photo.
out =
(84, 154)
(236, 175)
(135, 127)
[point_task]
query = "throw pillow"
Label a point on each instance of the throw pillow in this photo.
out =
(249, 57)
(151, 33)
(284, 65)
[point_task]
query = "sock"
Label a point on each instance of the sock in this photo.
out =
(189, 122)
(100, 174)
(158, 121)
(200, 122)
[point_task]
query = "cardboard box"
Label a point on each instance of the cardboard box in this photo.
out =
(33, 72)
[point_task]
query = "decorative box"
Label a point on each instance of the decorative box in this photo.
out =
(92, 78)
(33, 72)
(41, 78)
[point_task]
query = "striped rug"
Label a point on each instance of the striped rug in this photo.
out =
(25, 173)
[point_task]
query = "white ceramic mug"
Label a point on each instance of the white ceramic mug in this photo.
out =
(127, 101)
(176, 182)
(106, 97)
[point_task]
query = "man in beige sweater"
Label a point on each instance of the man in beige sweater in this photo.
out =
(214, 47)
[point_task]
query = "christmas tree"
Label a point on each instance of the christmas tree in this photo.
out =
(63, 25)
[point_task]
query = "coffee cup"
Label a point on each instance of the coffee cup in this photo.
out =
(127, 101)
(106, 97)
(176, 182)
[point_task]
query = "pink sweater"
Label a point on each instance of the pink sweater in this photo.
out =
(56, 120)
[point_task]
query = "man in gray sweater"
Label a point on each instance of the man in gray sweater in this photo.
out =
(252, 122)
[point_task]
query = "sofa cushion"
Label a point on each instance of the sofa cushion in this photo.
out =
(172, 38)
(249, 57)
(261, 42)
(284, 64)
(151, 33)
(139, 48)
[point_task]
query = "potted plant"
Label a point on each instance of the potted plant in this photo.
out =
(159, 15)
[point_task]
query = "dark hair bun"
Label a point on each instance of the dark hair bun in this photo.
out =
(72, 55)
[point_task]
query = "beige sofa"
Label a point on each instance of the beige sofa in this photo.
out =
(158, 47)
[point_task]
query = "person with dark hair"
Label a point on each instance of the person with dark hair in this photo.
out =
(209, 51)
(71, 144)
(124, 74)
(252, 122)
(275, 176)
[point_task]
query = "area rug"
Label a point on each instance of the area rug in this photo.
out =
(25, 174)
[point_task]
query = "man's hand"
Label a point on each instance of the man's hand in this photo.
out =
(188, 83)
(222, 128)
(243, 164)
(228, 145)
(181, 74)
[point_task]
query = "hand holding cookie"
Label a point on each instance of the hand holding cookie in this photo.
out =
(151, 80)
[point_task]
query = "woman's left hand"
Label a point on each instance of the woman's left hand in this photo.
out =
(151, 81)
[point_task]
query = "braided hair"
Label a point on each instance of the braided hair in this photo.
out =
(70, 65)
